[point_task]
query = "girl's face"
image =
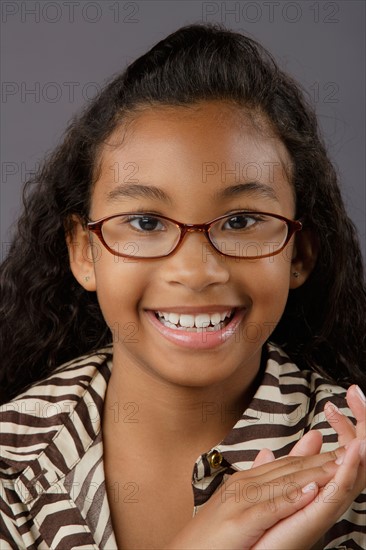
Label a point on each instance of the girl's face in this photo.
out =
(181, 163)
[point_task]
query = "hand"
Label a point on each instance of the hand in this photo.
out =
(306, 526)
(315, 519)
(311, 442)
(279, 518)
(251, 502)
(342, 424)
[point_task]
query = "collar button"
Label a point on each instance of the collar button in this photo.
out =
(215, 459)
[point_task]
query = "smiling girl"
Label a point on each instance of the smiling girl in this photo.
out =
(182, 312)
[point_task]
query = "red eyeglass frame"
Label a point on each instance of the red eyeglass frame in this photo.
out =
(96, 227)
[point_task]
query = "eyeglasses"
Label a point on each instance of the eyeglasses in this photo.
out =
(242, 234)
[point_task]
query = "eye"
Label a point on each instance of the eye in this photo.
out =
(240, 221)
(146, 223)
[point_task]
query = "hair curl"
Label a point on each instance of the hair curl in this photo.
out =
(47, 318)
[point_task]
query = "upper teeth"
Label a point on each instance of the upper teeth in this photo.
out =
(201, 320)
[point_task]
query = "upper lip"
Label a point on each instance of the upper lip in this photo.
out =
(195, 309)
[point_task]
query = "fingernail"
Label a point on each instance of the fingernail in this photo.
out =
(334, 407)
(339, 460)
(361, 394)
(310, 487)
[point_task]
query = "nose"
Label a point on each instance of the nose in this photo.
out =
(196, 264)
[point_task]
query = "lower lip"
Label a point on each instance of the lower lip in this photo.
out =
(198, 340)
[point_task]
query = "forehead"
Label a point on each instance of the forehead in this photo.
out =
(209, 142)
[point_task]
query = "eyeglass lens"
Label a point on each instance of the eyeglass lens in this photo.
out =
(246, 235)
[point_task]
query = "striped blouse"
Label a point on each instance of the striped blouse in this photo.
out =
(52, 485)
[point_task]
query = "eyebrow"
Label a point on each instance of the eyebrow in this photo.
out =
(134, 190)
(252, 187)
(151, 192)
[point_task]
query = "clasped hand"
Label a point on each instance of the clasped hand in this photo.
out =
(289, 502)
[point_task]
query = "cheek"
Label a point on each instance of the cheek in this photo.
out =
(268, 283)
(121, 283)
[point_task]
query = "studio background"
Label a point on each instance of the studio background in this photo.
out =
(56, 55)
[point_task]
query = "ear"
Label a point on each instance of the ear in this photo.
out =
(304, 256)
(81, 253)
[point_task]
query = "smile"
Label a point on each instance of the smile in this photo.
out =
(195, 323)
(198, 330)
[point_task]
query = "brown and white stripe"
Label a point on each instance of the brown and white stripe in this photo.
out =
(52, 485)
(51, 459)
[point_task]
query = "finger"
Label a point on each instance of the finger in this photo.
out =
(270, 486)
(309, 444)
(337, 495)
(305, 527)
(265, 515)
(357, 403)
(340, 423)
(350, 476)
(263, 457)
(287, 483)
(288, 465)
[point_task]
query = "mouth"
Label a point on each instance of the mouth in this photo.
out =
(200, 322)
(198, 329)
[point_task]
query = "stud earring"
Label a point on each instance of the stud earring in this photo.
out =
(86, 279)
(296, 274)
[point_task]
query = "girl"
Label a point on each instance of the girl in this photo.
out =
(182, 300)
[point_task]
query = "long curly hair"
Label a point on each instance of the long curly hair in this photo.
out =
(47, 318)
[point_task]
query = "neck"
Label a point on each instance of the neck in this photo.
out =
(144, 410)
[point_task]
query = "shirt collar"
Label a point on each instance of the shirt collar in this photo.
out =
(58, 418)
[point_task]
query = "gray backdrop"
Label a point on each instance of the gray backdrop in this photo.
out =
(55, 55)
